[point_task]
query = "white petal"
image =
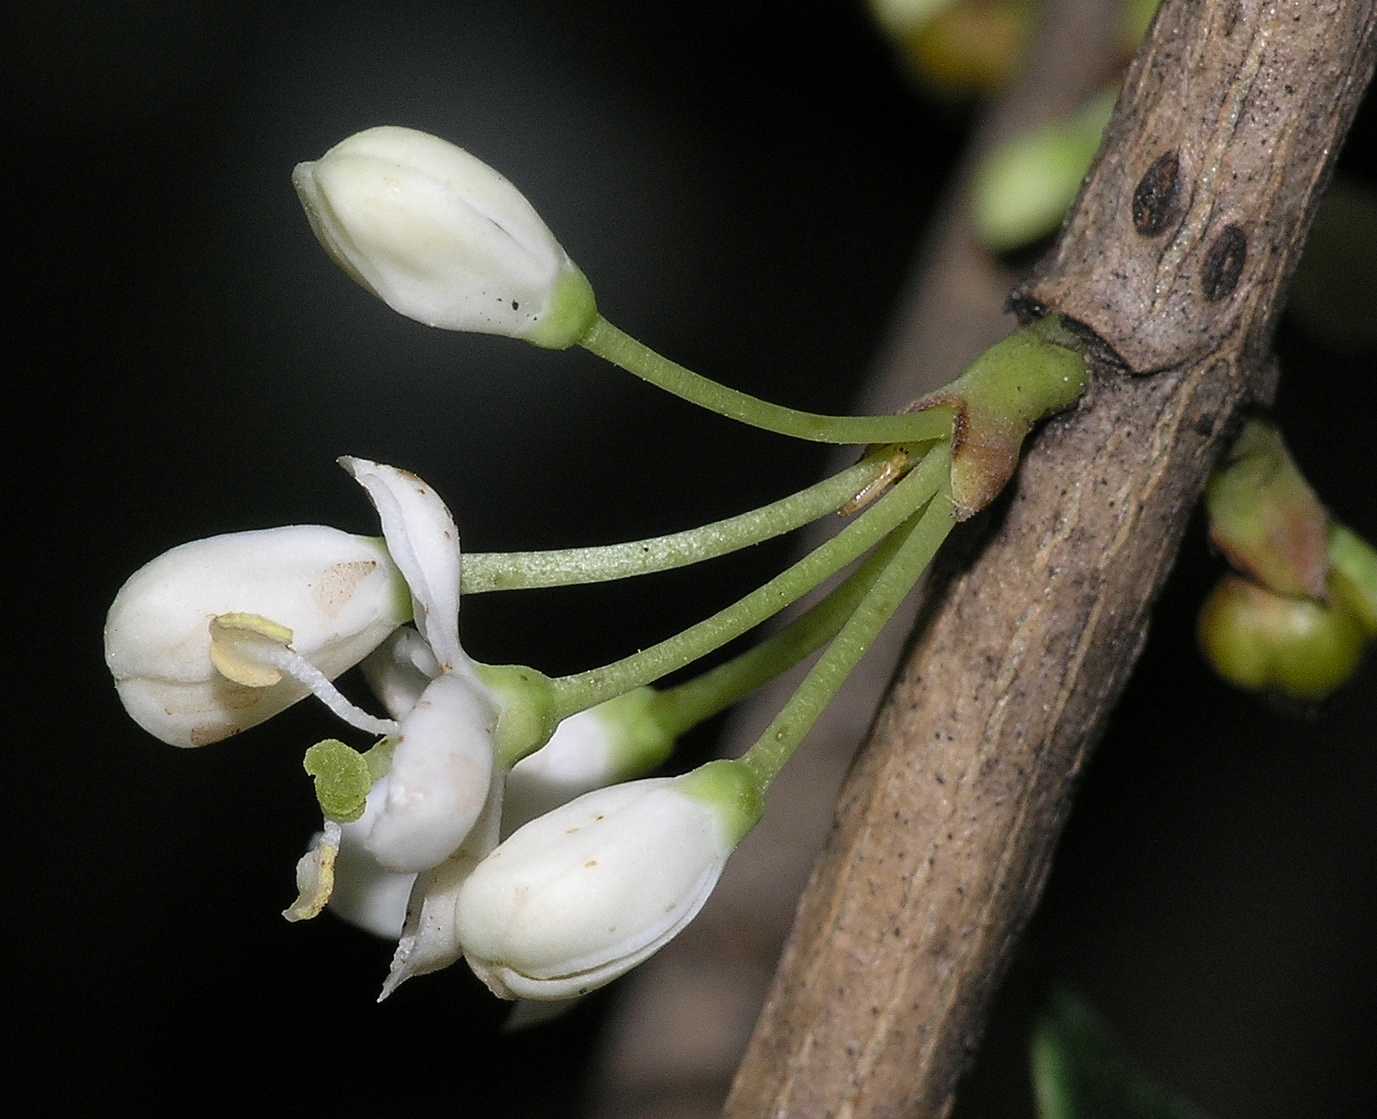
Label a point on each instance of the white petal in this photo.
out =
(339, 594)
(439, 779)
(367, 895)
(428, 941)
(399, 670)
(424, 542)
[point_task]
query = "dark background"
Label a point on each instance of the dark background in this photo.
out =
(744, 183)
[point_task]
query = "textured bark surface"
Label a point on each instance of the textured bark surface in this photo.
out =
(1175, 257)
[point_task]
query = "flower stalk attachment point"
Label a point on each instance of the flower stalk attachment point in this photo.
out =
(1033, 373)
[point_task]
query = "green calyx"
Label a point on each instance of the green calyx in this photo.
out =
(731, 788)
(639, 738)
(1265, 518)
(1036, 371)
(572, 312)
(526, 701)
(342, 779)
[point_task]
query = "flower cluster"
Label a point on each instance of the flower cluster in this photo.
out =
(215, 636)
(494, 814)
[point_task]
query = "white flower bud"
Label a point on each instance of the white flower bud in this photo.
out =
(442, 238)
(614, 741)
(339, 595)
(584, 893)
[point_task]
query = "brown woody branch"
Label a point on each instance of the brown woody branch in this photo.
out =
(1175, 259)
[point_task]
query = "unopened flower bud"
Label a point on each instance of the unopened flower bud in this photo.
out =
(333, 596)
(584, 893)
(614, 741)
(1260, 641)
(1265, 517)
(442, 238)
(1353, 577)
(1023, 188)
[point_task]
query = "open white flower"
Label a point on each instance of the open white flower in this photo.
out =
(442, 766)
(612, 742)
(582, 894)
(325, 596)
(442, 238)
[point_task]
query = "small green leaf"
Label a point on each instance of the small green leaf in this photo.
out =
(342, 779)
(1079, 1071)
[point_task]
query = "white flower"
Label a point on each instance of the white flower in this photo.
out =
(605, 744)
(440, 774)
(442, 238)
(420, 810)
(331, 595)
(584, 893)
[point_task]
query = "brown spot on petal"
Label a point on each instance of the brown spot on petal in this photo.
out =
(207, 733)
(339, 583)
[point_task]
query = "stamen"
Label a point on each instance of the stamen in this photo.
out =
(305, 673)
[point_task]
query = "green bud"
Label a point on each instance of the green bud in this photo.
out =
(971, 46)
(1023, 188)
(1265, 518)
(1353, 576)
(1260, 641)
(342, 779)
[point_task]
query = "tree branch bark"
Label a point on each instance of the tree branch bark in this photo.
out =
(1174, 259)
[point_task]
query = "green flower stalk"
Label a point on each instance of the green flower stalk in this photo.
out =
(619, 348)
(584, 689)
